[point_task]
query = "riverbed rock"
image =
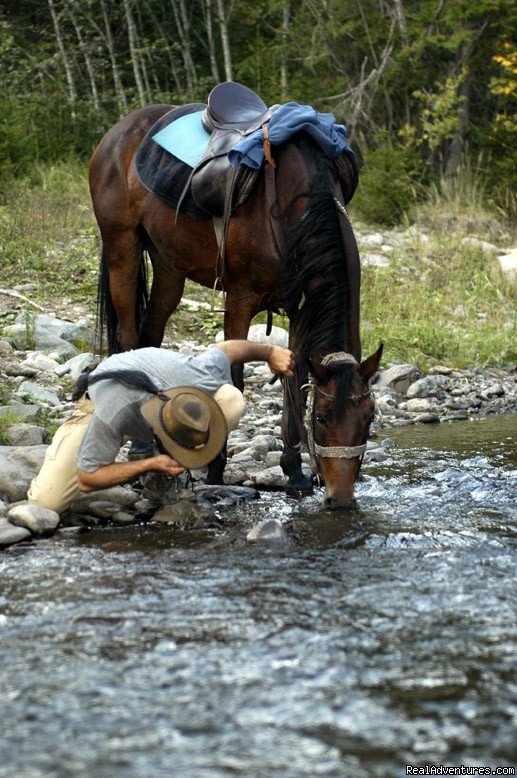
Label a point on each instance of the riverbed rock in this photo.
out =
(18, 466)
(269, 531)
(186, 515)
(269, 477)
(39, 361)
(21, 411)
(508, 266)
(257, 333)
(25, 435)
(9, 534)
(40, 521)
(398, 377)
(30, 390)
(430, 386)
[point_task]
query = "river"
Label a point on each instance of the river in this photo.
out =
(362, 643)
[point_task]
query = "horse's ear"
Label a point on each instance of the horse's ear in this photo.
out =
(319, 372)
(369, 367)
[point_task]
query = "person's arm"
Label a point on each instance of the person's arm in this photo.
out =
(280, 360)
(122, 472)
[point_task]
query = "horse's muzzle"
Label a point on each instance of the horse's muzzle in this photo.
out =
(333, 503)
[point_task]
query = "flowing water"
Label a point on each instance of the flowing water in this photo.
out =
(362, 643)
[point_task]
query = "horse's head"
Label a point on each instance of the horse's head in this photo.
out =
(342, 411)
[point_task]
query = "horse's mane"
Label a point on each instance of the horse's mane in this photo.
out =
(315, 253)
(315, 280)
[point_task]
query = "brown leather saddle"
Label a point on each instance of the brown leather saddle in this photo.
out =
(233, 111)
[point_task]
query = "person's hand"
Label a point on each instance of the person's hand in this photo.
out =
(166, 464)
(281, 360)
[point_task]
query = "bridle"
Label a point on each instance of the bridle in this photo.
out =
(340, 452)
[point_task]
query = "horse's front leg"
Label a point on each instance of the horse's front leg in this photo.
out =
(298, 484)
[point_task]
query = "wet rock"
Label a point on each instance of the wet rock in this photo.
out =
(18, 466)
(40, 521)
(122, 517)
(495, 390)
(187, 515)
(270, 530)
(231, 495)
(398, 377)
(121, 496)
(269, 477)
(103, 509)
(9, 534)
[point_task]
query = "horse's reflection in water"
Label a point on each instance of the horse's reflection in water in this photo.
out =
(289, 246)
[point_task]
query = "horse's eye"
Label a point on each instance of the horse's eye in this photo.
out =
(320, 419)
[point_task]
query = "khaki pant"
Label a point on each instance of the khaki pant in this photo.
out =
(55, 486)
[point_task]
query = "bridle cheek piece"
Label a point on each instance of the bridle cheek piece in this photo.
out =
(339, 452)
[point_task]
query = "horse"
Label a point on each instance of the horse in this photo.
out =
(294, 251)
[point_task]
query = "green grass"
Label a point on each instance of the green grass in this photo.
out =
(441, 302)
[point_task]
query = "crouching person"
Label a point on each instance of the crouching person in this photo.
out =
(186, 405)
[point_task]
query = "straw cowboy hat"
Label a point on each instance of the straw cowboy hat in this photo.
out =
(191, 425)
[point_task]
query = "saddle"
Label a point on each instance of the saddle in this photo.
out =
(233, 111)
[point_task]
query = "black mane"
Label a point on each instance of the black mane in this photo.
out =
(315, 253)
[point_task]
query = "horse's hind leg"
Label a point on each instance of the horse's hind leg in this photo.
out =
(166, 292)
(120, 286)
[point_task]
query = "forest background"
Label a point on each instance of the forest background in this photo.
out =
(422, 85)
(426, 88)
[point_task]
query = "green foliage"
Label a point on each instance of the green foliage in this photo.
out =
(387, 185)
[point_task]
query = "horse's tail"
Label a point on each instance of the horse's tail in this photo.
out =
(107, 319)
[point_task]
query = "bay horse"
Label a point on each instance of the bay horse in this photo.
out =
(314, 276)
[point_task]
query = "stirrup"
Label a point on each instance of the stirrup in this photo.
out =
(213, 309)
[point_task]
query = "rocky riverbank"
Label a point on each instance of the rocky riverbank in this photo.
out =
(35, 399)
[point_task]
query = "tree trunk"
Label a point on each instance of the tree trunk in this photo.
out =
(72, 92)
(168, 49)
(133, 52)
(183, 26)
(225, 41)
(207, 9)
(87, 59)
(117, 81)
(284, 88)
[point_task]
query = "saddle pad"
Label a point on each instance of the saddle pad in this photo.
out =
(186, 138)
(163, 173)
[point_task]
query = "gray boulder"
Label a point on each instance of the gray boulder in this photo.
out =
(34, 391)
(20, 412)
(24, 435)
(430, 386)
(398, 377)
(40, 521)
(9, 534)
(18, 466)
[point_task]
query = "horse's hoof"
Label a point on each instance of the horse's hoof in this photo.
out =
(298, 491)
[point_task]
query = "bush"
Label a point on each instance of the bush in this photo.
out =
(386, 188)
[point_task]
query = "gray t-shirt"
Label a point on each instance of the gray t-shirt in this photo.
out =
(117, 407)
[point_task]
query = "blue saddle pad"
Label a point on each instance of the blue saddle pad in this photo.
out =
(185, 137)
(164, 173)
